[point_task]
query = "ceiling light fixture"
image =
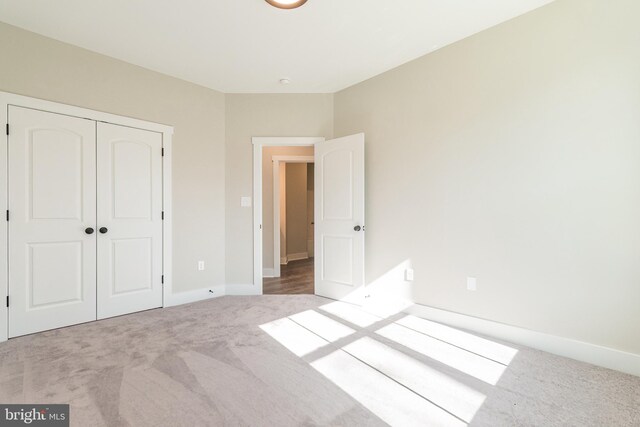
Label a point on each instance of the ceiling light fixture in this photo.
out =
(285, 81)
(286, 4)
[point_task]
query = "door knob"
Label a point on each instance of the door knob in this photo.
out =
(357, 228)
(88, 230)
(103, 230)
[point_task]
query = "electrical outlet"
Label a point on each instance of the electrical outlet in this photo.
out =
(472, 284)
(245, 202)
(200, 265)
(408, 275)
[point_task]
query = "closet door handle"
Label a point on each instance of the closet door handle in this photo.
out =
(103, 230)
(88, 230)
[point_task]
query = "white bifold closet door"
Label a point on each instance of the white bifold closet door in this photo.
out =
(129, 220)
(85, 226)
(52, 201)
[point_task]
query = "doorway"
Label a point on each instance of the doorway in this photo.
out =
(338, 229)
(292, 233)
(287, 218)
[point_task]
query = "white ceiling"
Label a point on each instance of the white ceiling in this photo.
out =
(248, 46)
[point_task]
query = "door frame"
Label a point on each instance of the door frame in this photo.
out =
(9, 99)
(276, 204)
(258, 143)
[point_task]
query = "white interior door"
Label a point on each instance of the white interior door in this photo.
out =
(129, 220)
(52, 201)
(339, 218)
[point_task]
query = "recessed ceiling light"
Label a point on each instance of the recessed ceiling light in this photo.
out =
(286, 4)
(285, 81)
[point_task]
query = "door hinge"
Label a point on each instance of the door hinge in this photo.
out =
(162, 216)
(7, 300)
(7, 128)
(162, 278)
(7, 214)
(162, 151)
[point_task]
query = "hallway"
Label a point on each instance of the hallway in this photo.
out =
(296, 277)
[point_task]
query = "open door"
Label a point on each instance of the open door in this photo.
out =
(339, 218)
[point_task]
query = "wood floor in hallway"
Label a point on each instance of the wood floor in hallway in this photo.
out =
(295, 278)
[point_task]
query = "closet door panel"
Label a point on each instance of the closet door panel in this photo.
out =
(129, 220)
(52, 203)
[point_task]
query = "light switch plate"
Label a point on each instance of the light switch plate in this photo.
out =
(472, 283)
(245, 202)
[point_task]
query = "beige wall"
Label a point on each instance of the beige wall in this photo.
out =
(40, 67)
(296, 208)
(261, 115)
(267, 197)
(513, 156)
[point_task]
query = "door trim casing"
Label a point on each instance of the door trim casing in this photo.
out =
(7, 99)
(258, 144)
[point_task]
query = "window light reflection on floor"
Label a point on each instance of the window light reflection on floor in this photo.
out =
(439, 388)
(390, 401)
(394, 385)
(482, 346)
(294, 337)
(351, 313)
(472, 364)
(321, 325)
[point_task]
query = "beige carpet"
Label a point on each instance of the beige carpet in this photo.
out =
(296, 361)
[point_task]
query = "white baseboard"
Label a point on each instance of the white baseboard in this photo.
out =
(197, 295)
(268, 272)
(298, 256)
(237, 289)
(578, 350)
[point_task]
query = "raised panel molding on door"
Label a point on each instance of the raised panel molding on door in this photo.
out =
(52, 197)
(129, 220)
(339, 218)
(60, 253)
